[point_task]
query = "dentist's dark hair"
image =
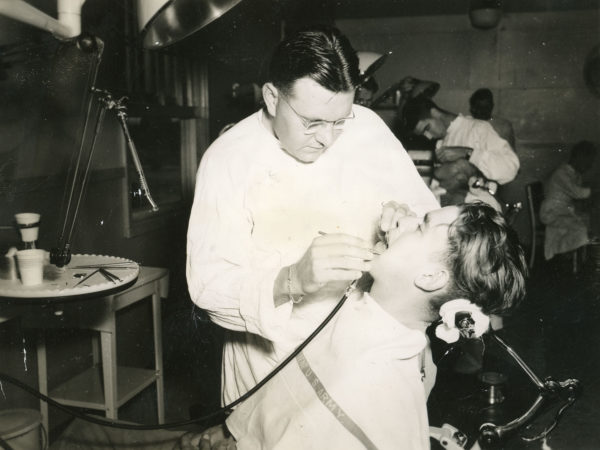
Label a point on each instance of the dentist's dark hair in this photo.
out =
(321, 53)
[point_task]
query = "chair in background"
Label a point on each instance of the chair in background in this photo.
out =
(535, 196)
(423, 161)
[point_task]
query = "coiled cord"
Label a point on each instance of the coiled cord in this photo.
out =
(223, 410)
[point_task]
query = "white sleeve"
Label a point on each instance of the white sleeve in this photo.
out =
(396, 169)
(570, 182)
(494, 156)
(226, 275)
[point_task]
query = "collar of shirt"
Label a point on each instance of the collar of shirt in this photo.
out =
(366, 326)
(455, 123)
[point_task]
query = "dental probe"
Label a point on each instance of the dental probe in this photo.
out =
(375, 252)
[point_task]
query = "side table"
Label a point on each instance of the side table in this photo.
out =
(105, 386)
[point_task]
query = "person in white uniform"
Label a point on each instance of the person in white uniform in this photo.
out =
(466, 149)
(289, 204)
(481, 105)
(359, 383)
(567, 222)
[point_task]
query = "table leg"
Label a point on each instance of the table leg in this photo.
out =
(109, 371)
(158, 355)
(42, 370)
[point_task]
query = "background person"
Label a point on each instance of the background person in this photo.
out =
(481, 105)
(567, 225)
(466, 148)
(321, 399)
(309, 162)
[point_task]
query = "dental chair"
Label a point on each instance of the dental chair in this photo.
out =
(489, 416)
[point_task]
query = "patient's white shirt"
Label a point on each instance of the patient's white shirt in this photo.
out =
(357, 385)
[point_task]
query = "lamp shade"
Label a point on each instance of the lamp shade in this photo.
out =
(147, 9)
(165, 22)
(366, 60)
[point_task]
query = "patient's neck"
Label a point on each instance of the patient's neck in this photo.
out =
(405, 303)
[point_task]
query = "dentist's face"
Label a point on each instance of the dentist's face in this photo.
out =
(310, 102)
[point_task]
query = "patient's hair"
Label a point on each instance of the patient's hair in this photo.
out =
(321, 53)
(486, 261)
(415, 110)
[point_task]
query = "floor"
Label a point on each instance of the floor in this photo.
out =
(555, 332)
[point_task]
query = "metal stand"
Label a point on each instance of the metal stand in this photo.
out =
(108, 102)
(490, 434)
(61, 254)
(549, 389)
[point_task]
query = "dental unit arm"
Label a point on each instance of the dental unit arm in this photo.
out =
(490, 434)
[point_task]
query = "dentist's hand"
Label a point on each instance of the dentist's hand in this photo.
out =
(391, 217)
(405, 224)
(331, 257)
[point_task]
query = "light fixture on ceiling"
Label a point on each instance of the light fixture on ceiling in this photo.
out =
(485, 14)
(165, 22)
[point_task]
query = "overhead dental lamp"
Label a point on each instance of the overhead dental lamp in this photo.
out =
(370, 62)
(165, 22)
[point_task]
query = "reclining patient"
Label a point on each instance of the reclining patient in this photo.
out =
(359, 384)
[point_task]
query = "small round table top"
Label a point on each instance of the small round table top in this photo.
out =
(84, 276)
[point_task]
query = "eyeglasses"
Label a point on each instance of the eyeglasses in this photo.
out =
(312, 126)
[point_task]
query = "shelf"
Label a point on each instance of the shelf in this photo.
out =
(86, 390)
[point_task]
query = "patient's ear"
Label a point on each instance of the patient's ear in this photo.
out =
(270, 96)
(432, 280)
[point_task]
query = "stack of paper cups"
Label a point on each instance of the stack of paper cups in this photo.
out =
(31, 266)
(29, 226)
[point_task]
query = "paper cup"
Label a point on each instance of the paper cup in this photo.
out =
(31, 266)
(29, 225)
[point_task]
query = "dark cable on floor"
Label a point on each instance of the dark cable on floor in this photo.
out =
(223, 410)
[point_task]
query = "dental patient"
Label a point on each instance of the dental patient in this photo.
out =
(361, 382)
